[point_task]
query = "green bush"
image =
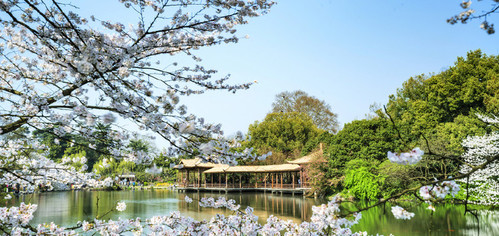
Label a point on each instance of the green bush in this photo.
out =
(394, 177)
(361, 180)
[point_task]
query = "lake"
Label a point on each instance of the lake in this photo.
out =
(67, 208)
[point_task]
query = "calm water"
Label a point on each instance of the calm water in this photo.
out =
(67, 208)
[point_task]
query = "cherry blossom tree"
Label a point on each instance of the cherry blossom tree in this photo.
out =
(483, 151)
(65, 72)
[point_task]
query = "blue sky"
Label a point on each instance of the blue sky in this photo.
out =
(349, 53)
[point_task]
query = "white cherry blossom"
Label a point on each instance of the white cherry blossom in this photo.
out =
(401, 213)
(406, 158)
(121, 206)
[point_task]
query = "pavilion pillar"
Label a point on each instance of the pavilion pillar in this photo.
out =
(240, 181)
(187, 179)
(265, 180)
(220, 179)
(277, 180)
(281, 178)
(272, 176)
(200, 178)
(226, 180)
(293, 179)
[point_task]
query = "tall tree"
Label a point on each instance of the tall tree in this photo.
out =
(299, 101)
(363, 139)
(281, 132)
(426, 106)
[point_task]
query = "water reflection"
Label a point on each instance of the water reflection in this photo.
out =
(295, 208)
(67, 208)
(448, 219)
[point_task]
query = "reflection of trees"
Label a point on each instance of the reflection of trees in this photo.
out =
(487, 224)
(446, 220)
(286, 207)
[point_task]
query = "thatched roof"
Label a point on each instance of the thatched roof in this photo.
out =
(196, 162)
(254, 169)
(315, 156)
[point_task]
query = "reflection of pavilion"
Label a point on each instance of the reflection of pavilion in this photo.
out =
(195, 175)
(286, 208)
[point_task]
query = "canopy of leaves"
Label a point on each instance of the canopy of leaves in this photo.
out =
(363, 139)
(282, 132)
(299, 101)
(427, 105)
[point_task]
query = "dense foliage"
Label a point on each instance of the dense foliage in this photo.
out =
(434, 112)
(283, 133)
(426, 105)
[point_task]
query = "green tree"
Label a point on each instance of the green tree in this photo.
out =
(139, 145)
(368, 139)
(426, 106)
(299, 101)
(57, 145)
(166, 162)
(282, 132)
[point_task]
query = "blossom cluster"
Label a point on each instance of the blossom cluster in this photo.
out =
(30, 162)
(406, 158)
(481, 150)
(400, 213)
(221, 202)
(121, 206)
(58, 67)
(439, 190)
(52, 229)
(17, 216)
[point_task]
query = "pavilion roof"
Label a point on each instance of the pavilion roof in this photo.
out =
(308, 158)
(253, 169)
(197, 162)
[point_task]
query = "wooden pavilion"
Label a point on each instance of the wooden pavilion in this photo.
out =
(194, 174)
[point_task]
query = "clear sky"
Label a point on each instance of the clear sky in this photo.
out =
(350, 53)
